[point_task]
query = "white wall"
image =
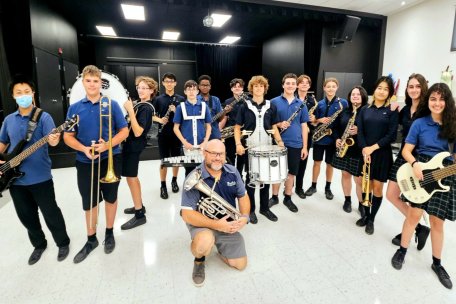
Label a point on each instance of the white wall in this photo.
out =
(418, 40)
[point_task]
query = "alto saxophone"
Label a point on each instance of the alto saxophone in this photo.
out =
(323, 129)
(346, 140)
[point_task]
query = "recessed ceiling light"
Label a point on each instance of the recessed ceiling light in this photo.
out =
(230, 39)
(106, 30)
(403, 3)
(168, 35)
(220, 19)
(133, 12)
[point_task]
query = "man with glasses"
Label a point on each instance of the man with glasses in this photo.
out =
(226, 181)
(192, 123)
(215, 106)
(168, 144)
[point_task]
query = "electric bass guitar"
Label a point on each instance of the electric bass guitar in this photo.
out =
(10, 169)
(420, 191)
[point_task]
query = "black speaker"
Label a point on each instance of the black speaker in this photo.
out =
(349, 28)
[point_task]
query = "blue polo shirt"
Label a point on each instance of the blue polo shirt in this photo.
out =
(424, 135)
(37, 167)
(88, 128)
(230, 186)
(292, 136)
(186, 127)
(326, 108)
(215, 107)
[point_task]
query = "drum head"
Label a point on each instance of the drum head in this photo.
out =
(110, 86)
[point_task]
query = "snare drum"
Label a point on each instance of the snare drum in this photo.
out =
(268, 164)
(110, 86)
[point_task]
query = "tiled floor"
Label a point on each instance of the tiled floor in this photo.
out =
(315, 256)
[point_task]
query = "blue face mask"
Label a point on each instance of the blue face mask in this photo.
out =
(24, 101)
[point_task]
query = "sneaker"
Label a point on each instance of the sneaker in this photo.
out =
(289, 203)
(347, 207)
(109, 243)
(362, 222)
(397, 240)
(398, 259)
(134, 222)
(422, 234)
(132, 210)
(273, 201)
(329, 195)
(443, 276)
(370, 227)
(36, 255)
(310, 191)
(174, 186)
(163, 193)
(198, 274)
(253, 218)
(301, 193)
(63, 253)
(269, 215)
(85, 251)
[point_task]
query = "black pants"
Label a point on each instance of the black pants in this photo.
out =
(301, 172)
(231, 157)
(27, 200)
(264, 192)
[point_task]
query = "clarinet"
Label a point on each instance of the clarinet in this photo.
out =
(295, 113)
(167, 113)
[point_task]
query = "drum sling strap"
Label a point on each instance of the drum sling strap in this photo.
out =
(259, 135)
(194, 120)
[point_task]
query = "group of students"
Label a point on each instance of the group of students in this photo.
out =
(186, 124)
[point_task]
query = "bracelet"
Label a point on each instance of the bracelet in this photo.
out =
(247, 217)
(414, 163)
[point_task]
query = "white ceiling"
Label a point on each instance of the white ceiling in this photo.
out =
(380, 7)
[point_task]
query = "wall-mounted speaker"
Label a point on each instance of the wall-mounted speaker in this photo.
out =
(349, 28)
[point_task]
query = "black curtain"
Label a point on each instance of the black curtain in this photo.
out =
(224, 63)
(312, 52)
(6, 104)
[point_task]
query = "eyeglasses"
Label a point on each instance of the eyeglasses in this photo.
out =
(215, 154)
(168, 81)
(191, 89)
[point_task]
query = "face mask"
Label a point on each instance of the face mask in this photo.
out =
(24, 101)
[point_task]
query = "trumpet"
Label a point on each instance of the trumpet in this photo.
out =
(365, 184)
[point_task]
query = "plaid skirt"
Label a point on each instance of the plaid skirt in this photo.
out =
(352, 165)
(441, 204)
(397, 163)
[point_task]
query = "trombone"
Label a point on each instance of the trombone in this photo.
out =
(110, 176)
(365, 184)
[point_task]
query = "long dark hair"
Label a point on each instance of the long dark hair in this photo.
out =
(424, 87)
(390, 84)
(448, 130)
(364, 97)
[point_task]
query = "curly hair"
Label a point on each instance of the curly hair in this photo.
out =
(448, 130)
(364, 97)
(423, 84)
(150, 82)
(258, 79)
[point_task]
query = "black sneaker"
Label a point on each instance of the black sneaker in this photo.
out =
(362, 222)
(370, 227)
(329, 195)
(132, 210)
(109, 243)
(397, 240)
(134, 222)
(174, 186)
(347, 207)
(289, 203)
(36, 255)
(310, 191)
(163, 193)
(253, 218)
(443, 276)
(85, 251)
(422, 234)
(301, 193)
(398, 259)
(269, 215)
(63, 253)
(273, 201)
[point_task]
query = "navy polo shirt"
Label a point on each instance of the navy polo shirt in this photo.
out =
(230, 186)
(292, 136)
(161, 104)
(377, 126)
(144, 115)
(37, 167)
(215, 107)
(326, 108)
(233, 113)
(88, 128)
(247, 119)
(186, 127)
(405, 120)
(424, 135)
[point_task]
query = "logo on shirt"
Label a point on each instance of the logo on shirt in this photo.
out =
(231, 184)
